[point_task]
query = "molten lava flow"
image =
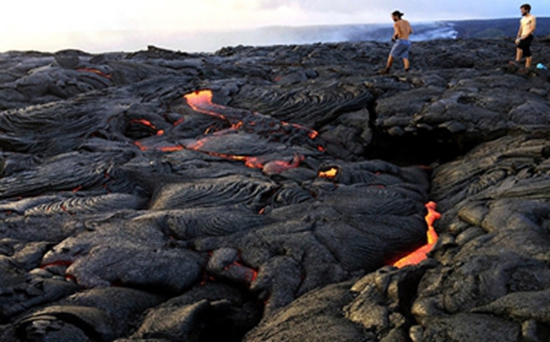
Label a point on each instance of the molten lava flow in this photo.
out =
(148, 124)
(254, 163)
(66, 263)
(140, 145)
(250, 274)
(270, 167)
(332, 173)
(312, 134)
(174, 148)
(279, 166)
(201, 101)
(420, 254)
(95, 71)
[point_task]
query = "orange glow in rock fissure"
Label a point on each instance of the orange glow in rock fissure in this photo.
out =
(271, 167)
(312, 134)
(332, 173)
(144, 122)
(254, 163)
(420, 254)
(174, 148)
(95, 71)
(201, 101)
(140, 146)
(279, 166)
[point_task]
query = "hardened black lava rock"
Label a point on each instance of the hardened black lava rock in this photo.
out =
(263, 193)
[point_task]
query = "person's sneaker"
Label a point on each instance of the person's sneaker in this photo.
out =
(384, 71)
(514, 63)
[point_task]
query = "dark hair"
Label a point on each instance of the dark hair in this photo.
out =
(527, 7)
(398, 14)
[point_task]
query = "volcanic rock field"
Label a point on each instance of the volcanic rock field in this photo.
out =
(266, 193)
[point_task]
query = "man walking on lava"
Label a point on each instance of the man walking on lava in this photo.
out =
(402, 31)
(527, 26)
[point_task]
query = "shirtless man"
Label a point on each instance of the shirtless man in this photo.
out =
(525, 37)
(402, 31)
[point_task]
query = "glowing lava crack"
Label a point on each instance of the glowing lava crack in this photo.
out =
(420, 254)
(201, 102)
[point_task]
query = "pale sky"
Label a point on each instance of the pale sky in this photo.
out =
(50, 25)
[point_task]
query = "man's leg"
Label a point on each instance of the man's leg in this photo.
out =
(386, 70)
(389, 63)
(528, 61)
(519, 54)
(406, 64)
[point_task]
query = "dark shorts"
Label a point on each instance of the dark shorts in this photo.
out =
(401, 49)
(525, 45)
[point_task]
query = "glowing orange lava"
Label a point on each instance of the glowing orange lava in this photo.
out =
(144, 123)
(312, 134)
(420, 254)
(201, 101)
(140, 145)
(95, 71)
(174, 148)
(279, 166)
(254, 162)
(57, 263)
(332, 173)
(268, 167)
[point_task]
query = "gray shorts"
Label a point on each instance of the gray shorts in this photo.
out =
(401, 49)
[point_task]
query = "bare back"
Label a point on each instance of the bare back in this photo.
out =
(402, 29)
